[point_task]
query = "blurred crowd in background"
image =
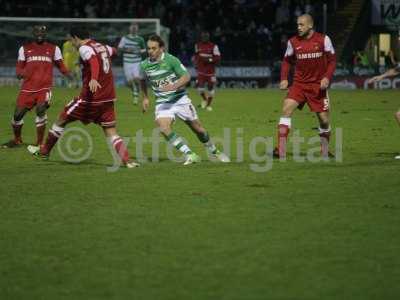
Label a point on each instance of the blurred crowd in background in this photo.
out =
(246, 31)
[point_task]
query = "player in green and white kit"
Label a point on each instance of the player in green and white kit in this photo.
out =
(168, 78)
(133, 48)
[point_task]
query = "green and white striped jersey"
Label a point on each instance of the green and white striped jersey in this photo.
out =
(135, 43)
(160, 73)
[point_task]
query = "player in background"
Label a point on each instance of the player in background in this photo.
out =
(168, 78)
(206, 57)
(35, 67)
(133, 48)
(313, 58)
(389, 73)
(95, 104)
(71, 60)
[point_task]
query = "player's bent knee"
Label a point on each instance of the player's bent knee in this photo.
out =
(397, 115)
(289, 105)
(165, 130)
(164, 126)
(287, 112)
(41, 110)
(110, 131)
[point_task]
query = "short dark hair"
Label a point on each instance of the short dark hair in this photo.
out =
(79, 32)
(158, 39)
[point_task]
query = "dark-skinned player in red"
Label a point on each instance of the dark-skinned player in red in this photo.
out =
(206, 57)
(35, 67)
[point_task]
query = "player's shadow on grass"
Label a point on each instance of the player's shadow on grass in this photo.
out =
(88, 162)
(363, 163)
(386, 154)
(91, 162)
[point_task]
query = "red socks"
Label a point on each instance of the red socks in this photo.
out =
(120, 148)
(283, 132)
(52, 138)
(40, 129)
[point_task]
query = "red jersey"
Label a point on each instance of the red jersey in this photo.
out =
(96, 61)
(313, 58)
(35, 65)
(206, 56)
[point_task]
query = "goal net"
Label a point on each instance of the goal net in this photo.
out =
(14, 32)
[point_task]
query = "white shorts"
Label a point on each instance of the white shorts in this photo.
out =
(131, 71)
(183, 109)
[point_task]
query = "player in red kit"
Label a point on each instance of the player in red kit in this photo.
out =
(314, 60)
(95, 104)
(206, 57)
(35, 68)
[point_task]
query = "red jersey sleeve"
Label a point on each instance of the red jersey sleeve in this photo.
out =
(61, 67)
(87, 54)
(94, 67)
(216, 55)
(58, 61)
(20, 63)
(331, 58)
(287, 61)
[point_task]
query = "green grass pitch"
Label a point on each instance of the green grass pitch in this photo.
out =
(325, 230)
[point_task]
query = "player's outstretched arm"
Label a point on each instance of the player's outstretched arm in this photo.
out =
(145, 101)
(388, 73)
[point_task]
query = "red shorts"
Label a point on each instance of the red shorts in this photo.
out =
(30, 99)
(310, 93)
(203, 79)
(99, 113)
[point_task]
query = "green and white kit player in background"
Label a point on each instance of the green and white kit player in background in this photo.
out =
(133, 48)
(168, 78)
